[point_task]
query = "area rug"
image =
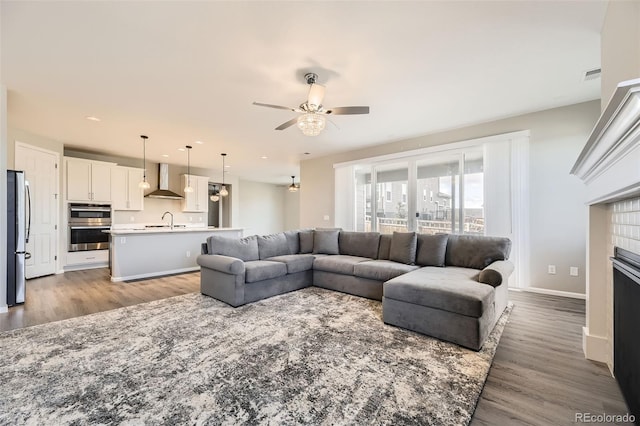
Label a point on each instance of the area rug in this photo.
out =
(313, 356)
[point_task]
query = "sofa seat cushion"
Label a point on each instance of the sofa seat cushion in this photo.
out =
(449, 289)
(381, 270)
(295, 262)
(340, 263)
(260, 270)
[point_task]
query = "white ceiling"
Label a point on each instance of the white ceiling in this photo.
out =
(186, 71)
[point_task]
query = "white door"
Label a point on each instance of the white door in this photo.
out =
(41, 171)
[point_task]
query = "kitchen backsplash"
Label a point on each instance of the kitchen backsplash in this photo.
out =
(152, 214)
(625, 224)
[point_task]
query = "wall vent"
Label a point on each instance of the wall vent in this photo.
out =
(591, 74)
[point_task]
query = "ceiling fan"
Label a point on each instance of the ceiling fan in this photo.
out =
(312, 121)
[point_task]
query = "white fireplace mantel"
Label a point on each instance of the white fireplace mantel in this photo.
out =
(609, 164)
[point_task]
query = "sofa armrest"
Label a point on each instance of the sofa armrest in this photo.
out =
(225, 264)
(496, 273)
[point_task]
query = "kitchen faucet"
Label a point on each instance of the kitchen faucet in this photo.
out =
(170, 214)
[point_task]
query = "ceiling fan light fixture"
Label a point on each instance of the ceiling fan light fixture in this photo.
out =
(311, 123)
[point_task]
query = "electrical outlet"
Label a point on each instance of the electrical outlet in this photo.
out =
(132, 219)
(326, 217)
(188, 253)
(573, 271)
(551, 269)
(123, 240)
(200, 219)
(190, 219)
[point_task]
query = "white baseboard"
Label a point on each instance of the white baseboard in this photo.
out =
(4, 309)
(553, 292)
(595, 347)
(82, 267)
(154, 274)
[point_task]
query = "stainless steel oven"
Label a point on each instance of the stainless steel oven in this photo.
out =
(86, 223)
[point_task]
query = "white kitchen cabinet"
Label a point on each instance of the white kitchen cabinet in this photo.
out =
(198, 200)
(87, 180)
(126, 194)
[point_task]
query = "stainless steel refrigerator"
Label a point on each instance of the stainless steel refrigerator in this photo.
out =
(18, 224)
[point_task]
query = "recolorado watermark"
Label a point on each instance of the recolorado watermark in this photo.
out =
(604, 418)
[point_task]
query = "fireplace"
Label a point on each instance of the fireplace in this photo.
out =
(626, 322)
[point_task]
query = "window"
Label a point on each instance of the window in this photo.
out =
(446, 196)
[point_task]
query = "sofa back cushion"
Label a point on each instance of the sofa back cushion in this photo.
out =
(403, 247)
(306, 241)
(431, 249)
(363, 244)
(293, 241)
(384, 246)
(242, 248)
(326, 242)
(476, 251)
(272, 245)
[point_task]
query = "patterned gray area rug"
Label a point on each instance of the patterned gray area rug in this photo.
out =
(313, 356)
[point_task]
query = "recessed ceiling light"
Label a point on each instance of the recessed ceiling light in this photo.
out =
(165, 155)
(226, 167)
(199, 142)
(181, 149)
(264, 157)
(92, 118)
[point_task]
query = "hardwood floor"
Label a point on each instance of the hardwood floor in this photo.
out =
(73, 294)
(539, 375)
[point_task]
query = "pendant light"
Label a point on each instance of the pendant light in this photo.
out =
(293, 187)
(188, 188)
(215, 197)
(144, 184)
(223, 190)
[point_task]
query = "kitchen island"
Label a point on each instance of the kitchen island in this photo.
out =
(150, 252)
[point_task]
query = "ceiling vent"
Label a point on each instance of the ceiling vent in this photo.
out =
(591, 74)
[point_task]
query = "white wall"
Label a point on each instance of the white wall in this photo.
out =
(558, 215)
(3, 196)
(291, 209)
(261, 208)
(620, 46)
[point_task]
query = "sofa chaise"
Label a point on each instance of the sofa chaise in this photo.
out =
(452, 287)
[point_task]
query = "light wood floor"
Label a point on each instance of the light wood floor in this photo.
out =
(539, 375)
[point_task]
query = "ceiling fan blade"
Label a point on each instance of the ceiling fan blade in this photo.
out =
(316, 95)
(348, 110)
(287, 124)
(276, 106)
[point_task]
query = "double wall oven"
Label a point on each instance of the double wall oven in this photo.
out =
(86, 223)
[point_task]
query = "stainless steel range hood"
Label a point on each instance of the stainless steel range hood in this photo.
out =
(163, 183)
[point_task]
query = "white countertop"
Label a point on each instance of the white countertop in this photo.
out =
(167, 230)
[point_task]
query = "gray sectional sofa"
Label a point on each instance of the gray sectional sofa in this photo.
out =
(453, 287)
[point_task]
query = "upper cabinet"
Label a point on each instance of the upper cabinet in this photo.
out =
(126, 194)
(198, 200)
(88, 181)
